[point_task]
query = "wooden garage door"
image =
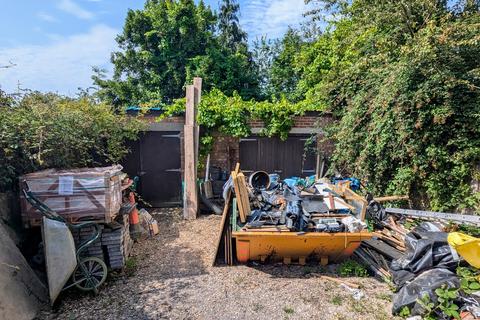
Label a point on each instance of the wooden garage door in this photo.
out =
(287, 158)
(155, 157)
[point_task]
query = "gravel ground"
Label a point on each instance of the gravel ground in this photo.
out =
(170, 277)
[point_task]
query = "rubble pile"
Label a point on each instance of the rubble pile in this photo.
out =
(421, 254)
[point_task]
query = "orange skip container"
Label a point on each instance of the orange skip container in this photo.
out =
(327, 247)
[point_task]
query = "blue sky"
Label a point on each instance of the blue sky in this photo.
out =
(53, 44)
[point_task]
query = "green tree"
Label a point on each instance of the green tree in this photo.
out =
(231, 34)
(162, 47)
(283, 74)
(277, 66)
(227, 65)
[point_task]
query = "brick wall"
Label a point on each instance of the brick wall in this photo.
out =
(151, 118)
(225, 152)
(306, 121)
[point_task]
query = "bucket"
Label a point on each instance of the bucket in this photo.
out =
(259, 180)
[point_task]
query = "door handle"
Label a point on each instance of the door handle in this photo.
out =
(173, 170)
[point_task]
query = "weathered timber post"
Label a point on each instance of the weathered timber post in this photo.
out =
(191, 141)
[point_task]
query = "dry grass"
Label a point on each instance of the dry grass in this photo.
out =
(172, 279)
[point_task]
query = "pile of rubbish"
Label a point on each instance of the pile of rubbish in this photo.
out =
(323, 220)
(296, 205)
(432, 264)
(89, 221)
(432, 259)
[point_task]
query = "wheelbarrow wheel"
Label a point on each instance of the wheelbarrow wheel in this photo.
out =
(90, 274)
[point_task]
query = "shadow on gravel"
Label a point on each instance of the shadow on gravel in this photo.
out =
(279, 270)
(168, 257)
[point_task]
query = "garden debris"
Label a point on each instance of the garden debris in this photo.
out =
(357, 294)
(148, 223)
(339, 281)
(416, 249)
(466, 246)
(425, 284)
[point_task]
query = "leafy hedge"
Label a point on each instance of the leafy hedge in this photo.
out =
(42, 131)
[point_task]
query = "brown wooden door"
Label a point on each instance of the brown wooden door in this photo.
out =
(287, 158)
(156, 160)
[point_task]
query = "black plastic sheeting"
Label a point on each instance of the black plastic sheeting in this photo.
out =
(428, 263)
(425, 250)
(376, 212)
(424, 284)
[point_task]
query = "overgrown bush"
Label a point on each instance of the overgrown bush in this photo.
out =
(39, 131)
(403, 80)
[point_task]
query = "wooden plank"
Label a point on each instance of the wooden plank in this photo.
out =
(244, 194)
(197, 84)
(241, 193)
(190, 201)
(222, 226)
(383, 248)
(347, 283)
(390, 198)
(190, 106)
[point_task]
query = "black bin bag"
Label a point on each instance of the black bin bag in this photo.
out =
(425, 250)
(424, 284)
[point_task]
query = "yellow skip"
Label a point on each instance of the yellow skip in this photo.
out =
(467, 246)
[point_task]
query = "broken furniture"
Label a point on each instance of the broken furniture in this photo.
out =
(63, 261)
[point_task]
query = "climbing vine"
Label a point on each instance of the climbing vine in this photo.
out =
(231, 115)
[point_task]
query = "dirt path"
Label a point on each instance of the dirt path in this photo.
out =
(169, 277)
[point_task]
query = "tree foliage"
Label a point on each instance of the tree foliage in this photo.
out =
(231, 34)
(40, 131)
(168, 43)
(402, 77)
(277, 65)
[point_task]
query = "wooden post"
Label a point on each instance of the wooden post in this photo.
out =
(197, 83)
(190, 195)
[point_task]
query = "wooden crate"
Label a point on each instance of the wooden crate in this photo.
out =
(77, 194)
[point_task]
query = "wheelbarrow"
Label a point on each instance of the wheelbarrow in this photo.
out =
(63, 261)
